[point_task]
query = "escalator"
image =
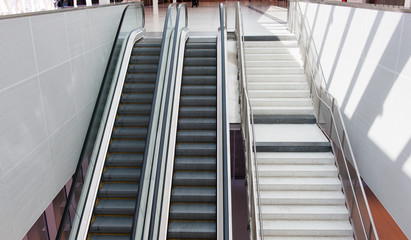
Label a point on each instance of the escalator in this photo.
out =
(193, 209)
(115, 204)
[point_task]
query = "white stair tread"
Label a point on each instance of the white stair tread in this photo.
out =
(258, 44)
(288, 133)
(298, 170)
(274, 64)
(300, 183)
(308, 227)
(299, 197)
(295, 158)
(259, 57)
(283, 110)
(274, 71)
(278, 93)
(281, 102)
(271, 50)
(315, 212)
(278, 77)
(277, 86)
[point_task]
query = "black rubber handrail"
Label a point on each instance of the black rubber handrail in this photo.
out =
(164, 124)
(94, 125)
(224, 122)
(150, 128)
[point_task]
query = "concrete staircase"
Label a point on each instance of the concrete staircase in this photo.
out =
(300, 191)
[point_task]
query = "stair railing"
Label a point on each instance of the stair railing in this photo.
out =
(252, 178)
(330, 120)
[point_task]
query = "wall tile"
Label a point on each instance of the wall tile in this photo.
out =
(7, 230)
(22, 125)
(16, 41)
(58, 96)
(50, 40)
(79, 32)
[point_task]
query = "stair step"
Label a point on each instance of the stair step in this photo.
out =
(197, 123)
(329, 228)
(137, 98)
(193, 211)
(200, 53)
(295, 158)
(190, 194)
(200, 70)
(203, 112)
(281, 102)
(200, 61)
(192, 149)
(261, 44)
(277, 86)
(198, 90)
(138, 87)
(124, 160)
(275, 71)
(301, 212)
(129, 133)
(271, 57)
(273, 64)
(121, 175)
(297, 170)
(145, 59)
(271, 50)
(132, 121)
(302, 197)
(142, 68)
(197, 136)
(284, 119)
(300, 183)
(283, 110)
(192, 230)
(141, 78)
(195, 163)
(115, 207)
(118, 190)
(198, 101)
(127, 146)
(301, 78)
(194, 178)
(278, 93)
(111, 225)
(134, 109)
(199, 80)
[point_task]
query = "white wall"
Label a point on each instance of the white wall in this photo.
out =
(366, 58)
(51, 67)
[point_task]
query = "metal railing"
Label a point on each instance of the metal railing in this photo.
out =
(253, 189)
(330, 120)
(132, 18)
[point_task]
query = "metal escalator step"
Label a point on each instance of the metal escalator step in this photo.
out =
(121, 174)
(117, 190)
(141, 77)
(197, 123)
(199, 80)
(197, 136)
(148, 43)
(132, 121)
(144, 59)
(115, 207)
(202, 45)
(195, 163)
(198, 101)
(200, 70)
(193, 149)
(110, 237)
(193, 211)
(111, 225)
(137, 98)
(198, 61)
(138, 87)
(127, 146)
(200, 53)
(194, 178)
(142, 68)
(202, 112)
(194, 194)
(191, 229)
(124, 160)
(129, 133)
(198, 90)
(133, 109)
(147, 51)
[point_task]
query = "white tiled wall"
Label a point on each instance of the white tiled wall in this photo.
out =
(366, 59)
(51, 67)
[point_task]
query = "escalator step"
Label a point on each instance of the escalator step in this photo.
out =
(110, 237)
(202, 45)
(138, 87)
(137, 98)
(121, 175)
(129, 133)
(115, 207)
(191, 229)
(186, 178)
(198, 101)
(192, 149)
(111, 225)
(197, 136)
(142, 68)
(197, 123)
(127, 146)
(203, 112)
(141, 78)
(191, 194)
(198, 90)
(200, 61)
(193, 211)
(132, 121)
(133, 109)
(199, 80)
(200, 53)
(144, 59)
(195, 163)
(147, 51)
(200, 70)
(123, 160)
(118, 190)
(148, 43)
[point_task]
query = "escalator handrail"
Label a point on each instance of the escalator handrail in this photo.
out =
(150, 128)
(100, 102)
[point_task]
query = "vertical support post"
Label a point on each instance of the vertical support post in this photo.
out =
(407, 4)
